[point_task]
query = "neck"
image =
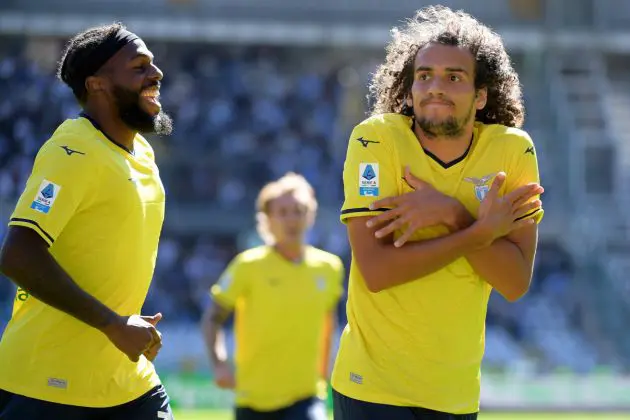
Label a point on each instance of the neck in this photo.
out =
(112, 126)
(290, 251)
(445, 148)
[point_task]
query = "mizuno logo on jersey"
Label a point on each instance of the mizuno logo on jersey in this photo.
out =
(365, 142)
(529, 150)
(70, 151)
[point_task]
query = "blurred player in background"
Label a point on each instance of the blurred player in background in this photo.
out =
(284, 295)
(82, 245)
(441, 206)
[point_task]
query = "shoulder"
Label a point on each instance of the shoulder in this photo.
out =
(383, 123)
(379, 134)
(251, 256)
(320, 257)
(510, 136)
(71, 145)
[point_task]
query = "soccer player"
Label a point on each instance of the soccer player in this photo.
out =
(441, 206)
(82, 244)
(284, 295)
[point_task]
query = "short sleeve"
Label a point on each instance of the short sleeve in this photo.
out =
(338, 277)
(369, 172)
(231, 285)
(58, 185)
(523, 169)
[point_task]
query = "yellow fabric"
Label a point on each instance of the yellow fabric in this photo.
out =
(102, 218)
(421, 344)
(280, 308)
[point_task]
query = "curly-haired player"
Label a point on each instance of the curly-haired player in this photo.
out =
(441, 206)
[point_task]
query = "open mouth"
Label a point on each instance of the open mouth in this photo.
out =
(151, 95)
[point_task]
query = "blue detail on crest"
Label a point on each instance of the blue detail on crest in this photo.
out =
(368, 173)
(48, 191)
(481, 191)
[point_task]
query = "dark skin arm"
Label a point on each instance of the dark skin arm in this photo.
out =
(25, 259)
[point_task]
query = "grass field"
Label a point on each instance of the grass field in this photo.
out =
(226, 415)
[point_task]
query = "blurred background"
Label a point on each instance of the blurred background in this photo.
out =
(261, 87)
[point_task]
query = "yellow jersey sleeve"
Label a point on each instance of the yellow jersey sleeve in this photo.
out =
(369, 172)
(58, 186)
(231, 285)
(523, 169)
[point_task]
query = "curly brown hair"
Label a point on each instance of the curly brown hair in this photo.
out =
(392, 81)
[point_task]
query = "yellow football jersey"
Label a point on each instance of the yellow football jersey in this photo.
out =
(101, 210)
(280, 308)
(421, 343)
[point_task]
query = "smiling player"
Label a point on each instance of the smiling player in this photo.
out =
(82, 244)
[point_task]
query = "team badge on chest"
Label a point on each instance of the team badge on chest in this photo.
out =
(481, 185)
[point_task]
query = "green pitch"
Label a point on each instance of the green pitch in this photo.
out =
(226, 415)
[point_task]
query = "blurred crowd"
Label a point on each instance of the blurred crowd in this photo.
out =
(245, 115)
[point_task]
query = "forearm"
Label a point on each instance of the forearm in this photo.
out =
(330, 326)
(41, 276)
(389, 266)
(502, 264)
(214, 337)
(504, 267)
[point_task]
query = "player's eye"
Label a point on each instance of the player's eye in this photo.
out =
(455, 78)
(424, 76)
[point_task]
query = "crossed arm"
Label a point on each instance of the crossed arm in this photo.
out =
(502, 258)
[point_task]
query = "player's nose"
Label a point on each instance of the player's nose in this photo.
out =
(436, 87)
(156, 73)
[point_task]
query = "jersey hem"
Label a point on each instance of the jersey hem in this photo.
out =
(18, 221)
(372, 398)
(79, 402)
(360, 211)
(223, 302)
(537, 215)
(273, 407)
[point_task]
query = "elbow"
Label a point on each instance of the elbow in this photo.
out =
(373, 286)
(373, 280)
(206, 320)
(516, 293)
(6, 268)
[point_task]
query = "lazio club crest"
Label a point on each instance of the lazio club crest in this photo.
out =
(481, 185)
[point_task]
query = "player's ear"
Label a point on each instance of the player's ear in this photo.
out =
(481, 98)
(407, 106)
(94, 84)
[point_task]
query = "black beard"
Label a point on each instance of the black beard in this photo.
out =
(130, 112)
(449, 128)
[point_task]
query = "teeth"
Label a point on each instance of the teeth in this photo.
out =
(151, 93)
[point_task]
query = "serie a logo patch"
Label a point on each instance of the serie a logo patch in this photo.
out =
(368, 179)
(46, 195)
